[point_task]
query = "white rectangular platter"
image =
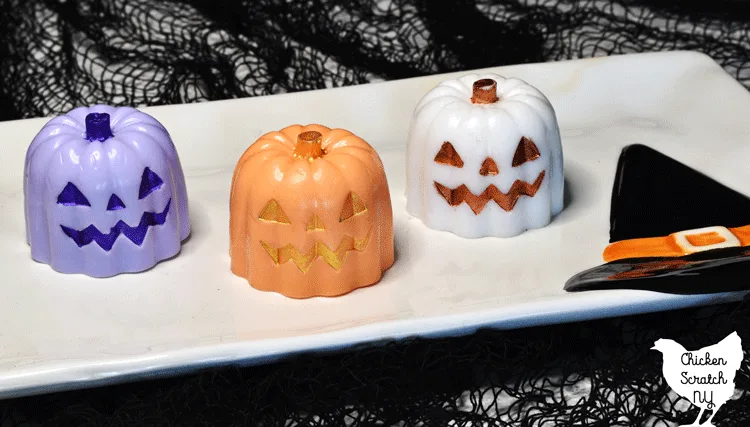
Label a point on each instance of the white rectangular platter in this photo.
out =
(69, 331)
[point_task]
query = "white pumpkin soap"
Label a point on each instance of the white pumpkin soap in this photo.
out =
(484, 158)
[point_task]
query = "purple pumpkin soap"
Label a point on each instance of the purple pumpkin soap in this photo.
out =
(104, 193)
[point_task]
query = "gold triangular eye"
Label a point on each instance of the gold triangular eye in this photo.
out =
(272, 212)
(352, 206)
(526, 152)
(315, 223)
(489, 167)
(448, 156)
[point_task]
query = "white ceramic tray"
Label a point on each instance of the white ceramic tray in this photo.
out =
(68, 331)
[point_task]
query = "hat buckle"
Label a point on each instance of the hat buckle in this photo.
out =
(682, 238)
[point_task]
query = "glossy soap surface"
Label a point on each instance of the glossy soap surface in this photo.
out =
(305, 226)
(484, 185)
(104, 192)
(60, 330)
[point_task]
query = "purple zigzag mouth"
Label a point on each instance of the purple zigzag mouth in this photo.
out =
(106, 241)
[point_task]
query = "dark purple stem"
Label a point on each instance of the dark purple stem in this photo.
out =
(97, 127)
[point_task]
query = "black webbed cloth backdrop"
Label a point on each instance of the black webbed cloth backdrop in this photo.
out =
(55, 55)
(59, 54)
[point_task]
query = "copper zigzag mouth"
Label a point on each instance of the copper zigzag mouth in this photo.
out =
(303, 261)
(506, 201)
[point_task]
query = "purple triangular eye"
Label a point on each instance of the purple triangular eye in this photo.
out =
(150, 182)
(72, 196)
(115, 203)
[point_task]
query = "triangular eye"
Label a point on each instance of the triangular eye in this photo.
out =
(272, 212)
(115, 203)
(72, 196)
(526, 152)
(448, 156)
(150, 182)
(489, 167)
(352, 206)
(315, 223)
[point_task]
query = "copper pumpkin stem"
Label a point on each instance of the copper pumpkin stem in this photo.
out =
(484, 91)
(309, 145)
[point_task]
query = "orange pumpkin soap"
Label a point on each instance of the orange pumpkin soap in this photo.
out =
(310, 213)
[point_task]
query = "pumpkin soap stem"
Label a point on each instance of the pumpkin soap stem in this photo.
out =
(97, 127)
(309, 145)
(484, 91)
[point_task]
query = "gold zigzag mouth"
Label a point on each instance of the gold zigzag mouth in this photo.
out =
(303, 261)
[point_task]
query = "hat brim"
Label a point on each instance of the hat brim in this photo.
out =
(715, 271)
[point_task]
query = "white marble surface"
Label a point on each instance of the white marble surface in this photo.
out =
(65, 331)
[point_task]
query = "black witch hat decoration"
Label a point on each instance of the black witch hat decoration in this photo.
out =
(672, 229)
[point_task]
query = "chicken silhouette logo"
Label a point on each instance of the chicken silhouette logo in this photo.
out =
(705, 377)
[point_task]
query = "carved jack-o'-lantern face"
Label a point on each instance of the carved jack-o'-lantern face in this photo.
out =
(526, 152)
(136, 233)
(104, 192)
(333, 256)
(310, 213)
(484, 158)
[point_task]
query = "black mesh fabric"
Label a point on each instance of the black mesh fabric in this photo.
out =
(597, 373)
(59, 54)
(55, 55)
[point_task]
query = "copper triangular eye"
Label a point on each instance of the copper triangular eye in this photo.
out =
(489, 167)
(448, 156)
(352, 206)
(525, 152)
(315, 223)
(272, 212)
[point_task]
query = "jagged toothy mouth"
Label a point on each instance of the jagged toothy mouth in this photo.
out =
(106, 240)
(506, 201)
(303, 260)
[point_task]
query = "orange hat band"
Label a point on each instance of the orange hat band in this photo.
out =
(679, 244)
